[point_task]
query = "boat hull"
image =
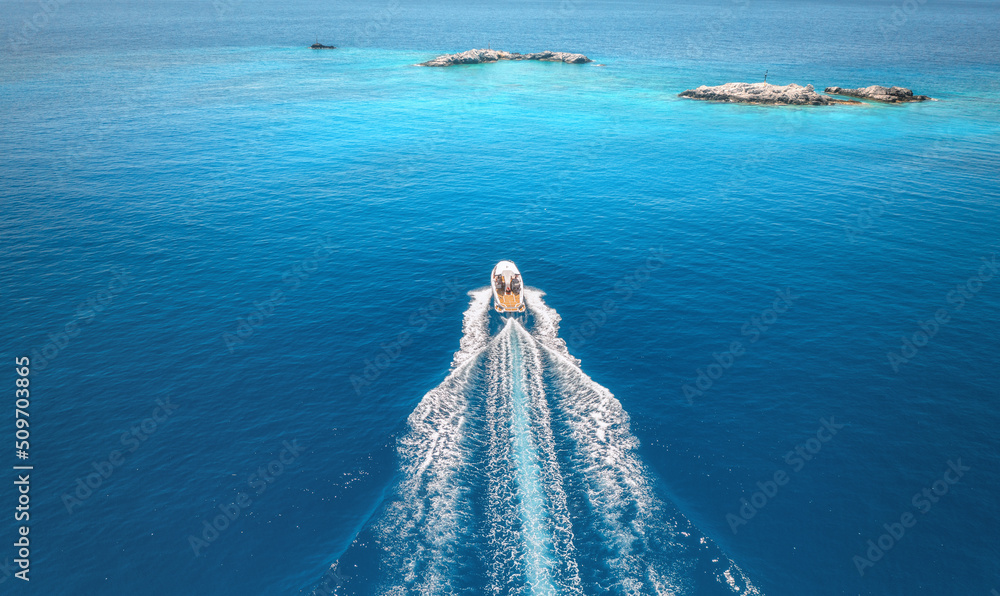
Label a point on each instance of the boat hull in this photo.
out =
(508, 287)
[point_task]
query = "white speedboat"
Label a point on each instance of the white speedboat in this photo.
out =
(507, 285)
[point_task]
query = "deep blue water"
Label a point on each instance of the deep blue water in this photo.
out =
(279, 245)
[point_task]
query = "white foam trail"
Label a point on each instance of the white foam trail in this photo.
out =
(531, 496)
(540, 425)
(429, 517)
(648, 557)
(506, 566)
(560, 525)
(475, 327)
(530, 529)
(430, 513)
(546, 327)
(617, 486)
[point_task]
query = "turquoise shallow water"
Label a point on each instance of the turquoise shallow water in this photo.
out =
(201, 176)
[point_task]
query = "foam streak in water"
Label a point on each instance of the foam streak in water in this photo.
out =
(560, 529)
(520, 476)
(648, 541)
(533, 507)
(430, 512)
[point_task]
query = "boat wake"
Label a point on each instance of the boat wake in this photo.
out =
(519, 475)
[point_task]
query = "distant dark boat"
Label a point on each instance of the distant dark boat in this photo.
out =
(319, 46)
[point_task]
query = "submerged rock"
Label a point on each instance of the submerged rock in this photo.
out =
(880, 93)
(764, 93)
(481, 56)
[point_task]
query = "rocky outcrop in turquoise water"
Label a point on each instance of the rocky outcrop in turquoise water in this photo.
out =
(764, 93)
(880, 93)
(490, 55)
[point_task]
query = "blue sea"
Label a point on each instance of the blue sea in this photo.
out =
(248, 281)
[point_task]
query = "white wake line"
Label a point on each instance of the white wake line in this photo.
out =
(647, 502)
(430, 516)
(616, 478)
(501, 511)
(431, 454)
(475, 327)
(475, 340)
(527, 471)
(551, 476)
(431, 520)
(459, 370)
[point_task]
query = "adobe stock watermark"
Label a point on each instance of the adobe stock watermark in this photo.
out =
(753, 330)
(557, 185)
(30, 28)
(7, 569)
(796, 460)
(900, 15)
(378, 23)
(86, 313)
(103, 129)
(408, 164)
(258, 144)
(390, 351)
(291, 280)
(625, 288)
(715, 28)
(923, 501)
(957, 297)
(257, 484)
(130, 441)
(565, 10)
(864, 220)
(224, 7)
